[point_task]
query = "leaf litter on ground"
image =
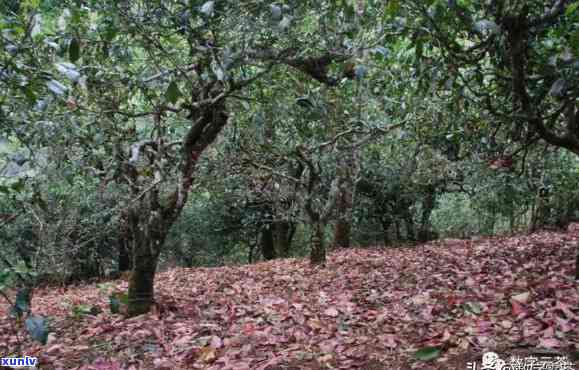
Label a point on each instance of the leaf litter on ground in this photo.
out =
(425, 307)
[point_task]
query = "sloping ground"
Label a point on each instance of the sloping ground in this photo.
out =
(369, 309)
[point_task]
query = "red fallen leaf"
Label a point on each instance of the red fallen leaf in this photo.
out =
(163, 364)
(248, 328)
(565, 309)
(549, 332)
(564, 325)
(517, 308)
(332, 312)
(328, 346)
(184, 340)
(522, 298)
(446, 336)
(57, 348)
(549, 343)
(389, 340)
(216, 342)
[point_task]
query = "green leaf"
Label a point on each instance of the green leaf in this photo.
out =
(275, 12)
(110, 34)
(349, 11)
(37, 328)
(22, 303)
(360, 71)
(173, 93)
(56, 87)
(285, 22)
(208, 8)
(69, 70)
(81, 310)
(74, 50)
(486, 25)
(305, 102)
(427, 353)
(473, 307)
(392, 8)
(114, 304)
(571, 9)
(30, 95)
(558, 88)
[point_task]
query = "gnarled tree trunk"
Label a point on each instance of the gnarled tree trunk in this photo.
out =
(151, 218)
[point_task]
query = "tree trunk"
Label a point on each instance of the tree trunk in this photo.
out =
(284, 232)
(318, 249)
(428, 203)
(386, 223)
(267, 243)
(347, 172)
(148, 233)
(409, 224)
(125, 263)
(397, 229)
(142, 282)
(342, 230)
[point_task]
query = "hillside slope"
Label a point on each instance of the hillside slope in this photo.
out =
(368, 309)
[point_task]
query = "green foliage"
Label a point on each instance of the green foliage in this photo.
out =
(428, 353)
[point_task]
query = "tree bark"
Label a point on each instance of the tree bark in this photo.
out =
(283, 236)
(428, 203)
(347, 171)
(409, 224)
(151, 218)
(141, 283)
(386, 223)
(342, 231)
(267, 243)
(149, 230)
(318, 248)
(125, 263)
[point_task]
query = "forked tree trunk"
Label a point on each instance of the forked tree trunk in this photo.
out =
(150, 220)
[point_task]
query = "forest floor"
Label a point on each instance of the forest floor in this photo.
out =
(368, 309)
